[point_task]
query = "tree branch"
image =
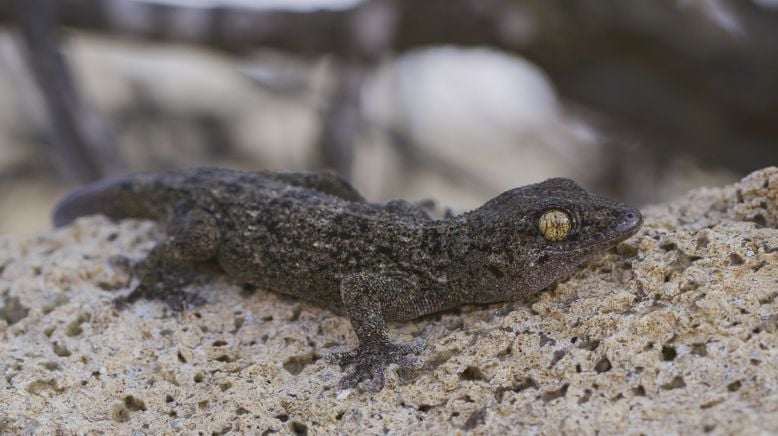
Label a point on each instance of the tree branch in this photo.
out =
(82, 146)
(371, 29)
(239, 28)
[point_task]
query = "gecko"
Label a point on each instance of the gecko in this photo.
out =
(312, 235)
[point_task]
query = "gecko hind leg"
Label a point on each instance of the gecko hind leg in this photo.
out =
(361, 295)
(193, 237)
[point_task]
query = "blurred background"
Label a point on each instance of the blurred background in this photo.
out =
(455, 100)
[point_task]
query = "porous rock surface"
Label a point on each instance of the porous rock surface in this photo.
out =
(673, 331)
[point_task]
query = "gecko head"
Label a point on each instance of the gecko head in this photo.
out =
(542, 232)
(569, 219)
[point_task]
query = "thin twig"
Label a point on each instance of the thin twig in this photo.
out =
(81, 145)
(371, 29)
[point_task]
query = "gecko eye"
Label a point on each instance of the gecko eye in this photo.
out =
(555, 225)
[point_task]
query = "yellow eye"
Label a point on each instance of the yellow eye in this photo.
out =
(555, 225)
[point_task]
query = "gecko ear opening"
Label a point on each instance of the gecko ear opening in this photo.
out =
(555, 225)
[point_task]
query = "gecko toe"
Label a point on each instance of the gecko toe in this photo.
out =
(397, 353)
(351, 379)
(174, 298)
(410, 362)
(139, 292)
(379, 379)
(123, 263)
(412, 347)
(178, 300)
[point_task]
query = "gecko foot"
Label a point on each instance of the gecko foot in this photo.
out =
(174, 298)
(371, 359)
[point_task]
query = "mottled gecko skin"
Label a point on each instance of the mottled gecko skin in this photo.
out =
(313, 236)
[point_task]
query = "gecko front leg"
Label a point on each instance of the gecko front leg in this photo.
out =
(193, 237)
(362, 294)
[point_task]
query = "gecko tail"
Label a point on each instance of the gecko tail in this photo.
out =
(115, 198)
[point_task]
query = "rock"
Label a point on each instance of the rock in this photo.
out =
(673, 331)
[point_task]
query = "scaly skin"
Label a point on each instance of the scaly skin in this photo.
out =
(313, 236)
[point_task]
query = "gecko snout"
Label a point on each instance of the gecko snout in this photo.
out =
(630, 222)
